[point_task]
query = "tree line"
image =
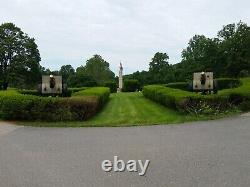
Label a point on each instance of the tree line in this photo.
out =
(227, 55)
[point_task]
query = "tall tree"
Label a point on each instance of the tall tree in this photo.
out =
(159, 68)
(200, 55)
(235, 48)
(19, 57)
(98, 68)
(66, 71)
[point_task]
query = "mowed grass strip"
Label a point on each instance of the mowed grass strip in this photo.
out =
(127, 109)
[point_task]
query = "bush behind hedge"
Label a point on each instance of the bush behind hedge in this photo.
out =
(130, 85)
(73, 90)
(112, 86)
(225, 83)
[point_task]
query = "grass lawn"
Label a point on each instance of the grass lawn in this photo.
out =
(127, 109)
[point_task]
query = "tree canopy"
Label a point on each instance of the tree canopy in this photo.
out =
(227, 55)
(98, 68)
(19, 57)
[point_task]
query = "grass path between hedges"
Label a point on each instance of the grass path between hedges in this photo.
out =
(127, 109)
(134, 109)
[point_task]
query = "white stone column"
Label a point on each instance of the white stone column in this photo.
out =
(120, 78)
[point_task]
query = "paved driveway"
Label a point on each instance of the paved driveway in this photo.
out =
(205, 154)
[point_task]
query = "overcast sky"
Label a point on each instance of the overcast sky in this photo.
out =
(131, 31)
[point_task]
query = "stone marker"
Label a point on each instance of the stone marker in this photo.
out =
(203, 81)
(120, 78)
(52, 84)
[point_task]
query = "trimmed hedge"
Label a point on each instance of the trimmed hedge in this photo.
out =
(222, 83)
(225, 83)
(190, 102)
(16, 106)
(112, 86)
(73, 90)
(102, 93)
(179, 85)
(131, 85)
(37, 93)
(29, 92)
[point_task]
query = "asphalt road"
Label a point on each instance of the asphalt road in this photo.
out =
(205, 154)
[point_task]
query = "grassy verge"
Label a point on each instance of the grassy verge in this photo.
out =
(129, 109)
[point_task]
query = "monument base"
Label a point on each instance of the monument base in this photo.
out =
(119, 90)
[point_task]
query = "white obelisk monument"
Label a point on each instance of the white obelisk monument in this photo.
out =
(120, 78)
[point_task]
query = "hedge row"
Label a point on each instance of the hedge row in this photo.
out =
(200, 104)
(112, 86)
(102, 93)
(130, 85)
(16, 106)
(29, 92)
(37, 93)
(225, 83)
(222, 83)
(73, 90)
(240, 95)
(179, 85)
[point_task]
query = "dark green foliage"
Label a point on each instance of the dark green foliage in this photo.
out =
(143, 77)
(227, 55)
(159, 69)
(179, 85)
(245, 105)
(112, 86)
(221, 83)
(29, 92)
(16, 106)
(131, 85)
(67, 93)
(97, 68)
(79, 79)
(200, 104)
(244, 73)
(66, 71)
(19, 58)
(224, 83)
(73, 90)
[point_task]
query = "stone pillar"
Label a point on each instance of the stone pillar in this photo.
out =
(120, 78)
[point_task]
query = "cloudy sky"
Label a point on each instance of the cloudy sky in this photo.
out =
(131, 31)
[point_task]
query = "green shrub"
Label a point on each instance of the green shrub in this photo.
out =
(222, 83)
(244, 73)
(102, 93)
(225, 83)
(73, 90)
(130, 85)
(200, 104)
(179, 85)
(243, 89)
(112, 86)
(66, 93)
(1, 85)
(29, 92)
(16, 106)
